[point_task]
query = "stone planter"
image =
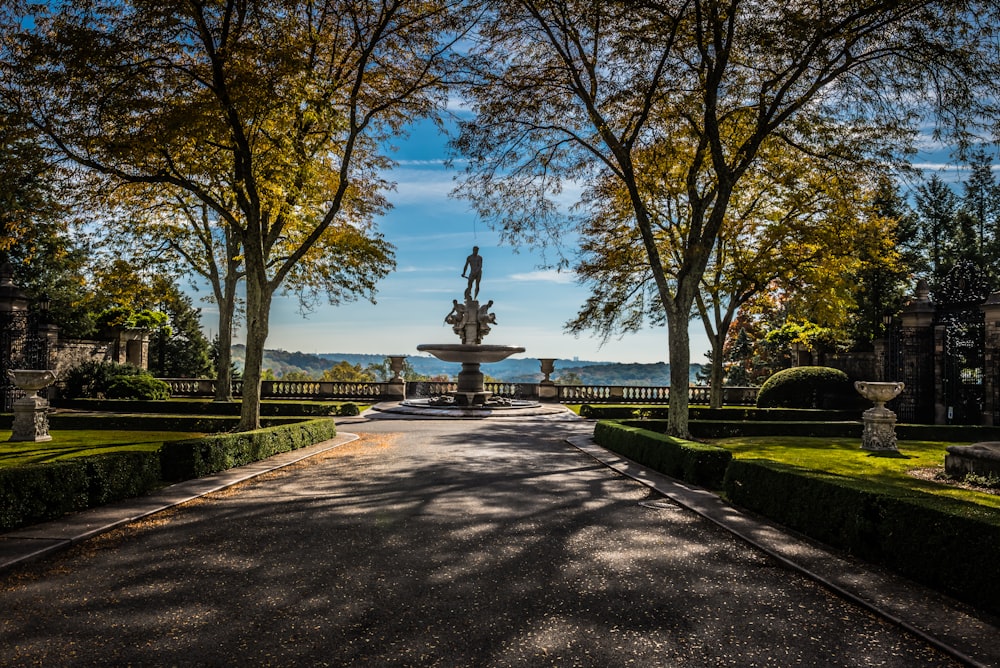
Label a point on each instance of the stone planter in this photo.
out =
(879, 422)
(31, 413)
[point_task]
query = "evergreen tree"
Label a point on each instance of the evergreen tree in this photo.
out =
(181, 349)
(936, 208)
(883, 278)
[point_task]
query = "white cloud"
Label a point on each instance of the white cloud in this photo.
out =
(545, 276)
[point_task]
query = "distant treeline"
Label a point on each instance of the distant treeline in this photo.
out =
(516, 370)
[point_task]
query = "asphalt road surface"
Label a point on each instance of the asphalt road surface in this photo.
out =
(434, 543)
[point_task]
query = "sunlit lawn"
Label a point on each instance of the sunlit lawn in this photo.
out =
(76, 443)
(843, 456)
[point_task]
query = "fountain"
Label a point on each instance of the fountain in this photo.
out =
(31, 413)
(880, 422)
(471, 322)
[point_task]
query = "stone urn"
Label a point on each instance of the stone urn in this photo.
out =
(879, 422)
(31, 413)
(548, 365)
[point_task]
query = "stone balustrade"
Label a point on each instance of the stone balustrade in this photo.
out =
(372, 392)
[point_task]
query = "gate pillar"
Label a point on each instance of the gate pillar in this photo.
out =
(991, 351)
(914, 359)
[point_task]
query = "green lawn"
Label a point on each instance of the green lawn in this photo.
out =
(845, 457)
(77, 443)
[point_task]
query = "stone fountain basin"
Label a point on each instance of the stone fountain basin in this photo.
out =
(462, 352)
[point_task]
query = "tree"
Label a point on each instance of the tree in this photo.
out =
(185, 236)
(887, 261)
(181, 349)
(273, 115)
(981, 198)
(786, 225)
(936, 209)
(345, 372)
(574, 91)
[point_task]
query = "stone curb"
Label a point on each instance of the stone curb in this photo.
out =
(949, 625)
(39, 540)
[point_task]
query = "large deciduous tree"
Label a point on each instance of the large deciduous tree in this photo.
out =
(274, 115)
(575, 90)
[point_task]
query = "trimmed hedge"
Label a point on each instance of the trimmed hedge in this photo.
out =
(944, 543)
(696, 463)
(207, 424)
(807, 387)
(195, 407)
(845, 429)
(40, 492)
(731, 413)
(194, 458)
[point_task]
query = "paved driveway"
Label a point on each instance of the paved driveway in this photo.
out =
(434, 543)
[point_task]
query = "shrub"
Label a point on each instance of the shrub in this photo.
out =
(31, 494)
(348, 409)
(194, 458)
(695, 463)
(142, 386)
(905, 531)
(807, 387)
(92, 379)
(40, 492)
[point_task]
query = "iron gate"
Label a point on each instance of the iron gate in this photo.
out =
(910, 359)
(960, 297)
(22, 346)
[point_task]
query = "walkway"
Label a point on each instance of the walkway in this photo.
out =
(435, 543)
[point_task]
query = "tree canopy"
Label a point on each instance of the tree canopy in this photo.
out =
(567, 92)
(272, 115)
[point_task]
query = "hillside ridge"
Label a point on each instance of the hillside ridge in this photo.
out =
(511, 370)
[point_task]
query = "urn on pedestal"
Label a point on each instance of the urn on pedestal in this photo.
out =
(879, 422)
(31, 413)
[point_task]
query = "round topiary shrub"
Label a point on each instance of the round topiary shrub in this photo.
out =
(348, 409)
(807, 387)
(143, 386)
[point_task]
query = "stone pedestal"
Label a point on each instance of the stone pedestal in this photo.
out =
(395, 390)
(879, 433)
(31, 420)
(879, 430)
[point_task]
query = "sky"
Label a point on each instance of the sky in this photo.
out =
(433, 233)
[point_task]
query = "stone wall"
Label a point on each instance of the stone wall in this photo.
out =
(72, 353)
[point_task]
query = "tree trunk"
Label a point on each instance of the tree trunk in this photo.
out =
(258, 315)
(718, 374)
(224, 363)
(680, 371)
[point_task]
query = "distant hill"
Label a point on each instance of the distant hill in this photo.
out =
(511, 370)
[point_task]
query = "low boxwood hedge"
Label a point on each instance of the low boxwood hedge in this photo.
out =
(40, 492)
(946, 544)
(726, 413)
(209, 424)
(194, 458)
(696, 463)
(201, 407)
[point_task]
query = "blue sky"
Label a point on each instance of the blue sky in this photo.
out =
(433, 233)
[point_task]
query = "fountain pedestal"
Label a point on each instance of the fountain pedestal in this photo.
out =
(879, 433)
(31, 413)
